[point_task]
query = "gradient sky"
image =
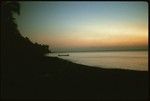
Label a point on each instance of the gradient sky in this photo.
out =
(68, 26)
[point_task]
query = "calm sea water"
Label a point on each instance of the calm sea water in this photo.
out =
(133, 60)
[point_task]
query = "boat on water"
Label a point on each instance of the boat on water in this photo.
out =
(63, 54)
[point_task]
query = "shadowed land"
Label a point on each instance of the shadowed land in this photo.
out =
(54, 78)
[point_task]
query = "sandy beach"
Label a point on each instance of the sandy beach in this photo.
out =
(57, 79)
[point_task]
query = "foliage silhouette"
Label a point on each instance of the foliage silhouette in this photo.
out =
(18, 53)
(12, 42)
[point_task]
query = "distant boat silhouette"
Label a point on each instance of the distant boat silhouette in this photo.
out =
(63, 54)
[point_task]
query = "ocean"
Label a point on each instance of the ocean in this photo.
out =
(132, 60)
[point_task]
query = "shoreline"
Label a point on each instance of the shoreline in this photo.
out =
(104, 67)
(57, 79)
(101, 68)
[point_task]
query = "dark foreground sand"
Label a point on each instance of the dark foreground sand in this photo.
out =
(57, 79)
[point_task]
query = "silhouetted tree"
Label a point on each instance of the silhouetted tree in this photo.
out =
(12, 42)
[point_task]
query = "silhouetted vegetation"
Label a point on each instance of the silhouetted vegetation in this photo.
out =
(16, 51)
(27, 74)
(13, 43)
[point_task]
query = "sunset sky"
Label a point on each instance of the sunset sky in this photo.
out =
(70, 26)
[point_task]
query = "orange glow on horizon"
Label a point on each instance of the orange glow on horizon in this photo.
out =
(94, 42)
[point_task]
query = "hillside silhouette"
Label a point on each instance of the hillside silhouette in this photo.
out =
(27, 74)
(13, 43)
(16, 50)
